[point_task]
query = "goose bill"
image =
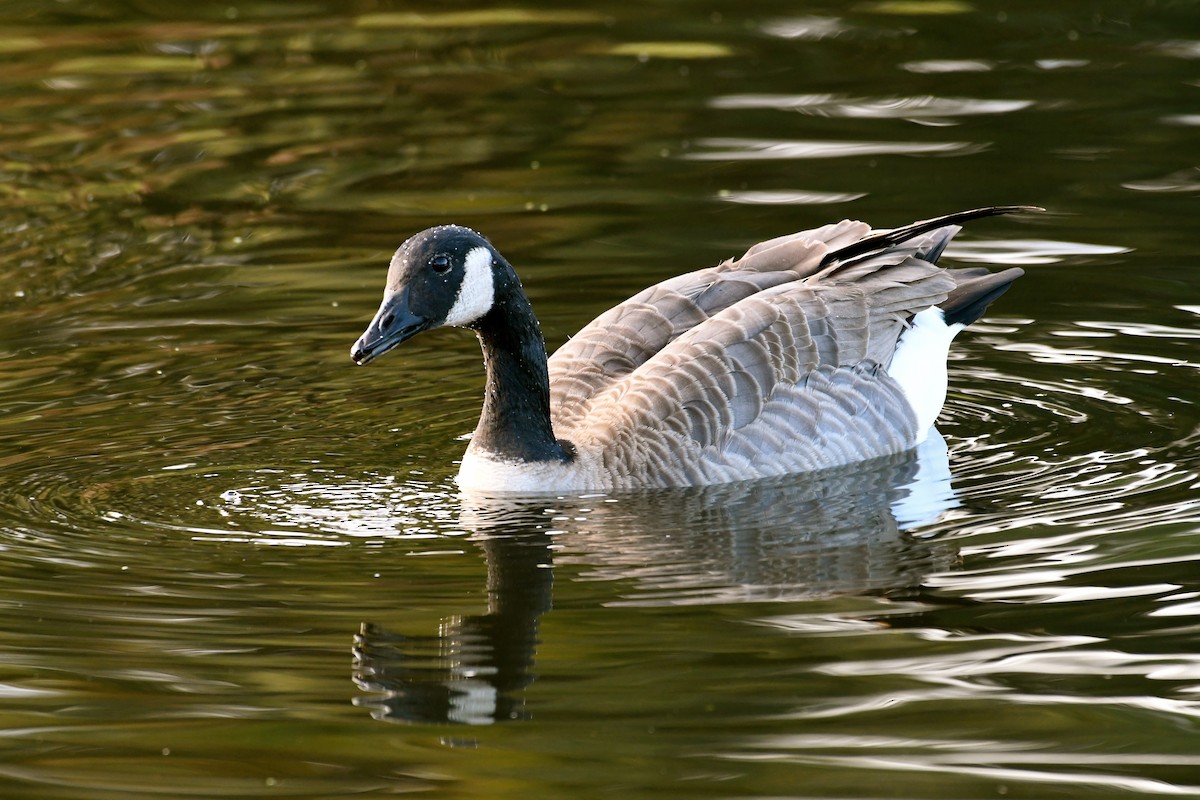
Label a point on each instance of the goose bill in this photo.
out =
(394, 324)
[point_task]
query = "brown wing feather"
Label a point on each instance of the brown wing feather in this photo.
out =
(768, 364)
(768, 386)
(627, 335)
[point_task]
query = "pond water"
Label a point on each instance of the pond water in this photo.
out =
(235, 565)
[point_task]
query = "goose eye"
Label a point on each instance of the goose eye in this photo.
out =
(440, 264)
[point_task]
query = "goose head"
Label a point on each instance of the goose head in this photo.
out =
(443, 276)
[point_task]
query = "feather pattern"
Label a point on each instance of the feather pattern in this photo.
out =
(769, 364)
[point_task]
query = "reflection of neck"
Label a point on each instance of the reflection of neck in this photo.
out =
(474, 669)
(519, 581)
(520, 585)
(515, 423)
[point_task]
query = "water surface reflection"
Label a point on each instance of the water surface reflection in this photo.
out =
(201, 502)
(803, 537)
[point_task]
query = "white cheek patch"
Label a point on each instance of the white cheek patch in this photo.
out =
(477, 291)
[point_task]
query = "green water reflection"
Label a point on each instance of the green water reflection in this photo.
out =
(235, 565)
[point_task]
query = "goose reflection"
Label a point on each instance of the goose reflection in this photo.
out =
(837, 532)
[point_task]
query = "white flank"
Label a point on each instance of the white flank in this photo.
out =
(484, 472)
(919, 366)
(477, 291)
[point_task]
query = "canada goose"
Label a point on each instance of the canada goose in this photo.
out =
(812, 350)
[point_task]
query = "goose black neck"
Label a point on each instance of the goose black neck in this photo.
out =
(515, 423)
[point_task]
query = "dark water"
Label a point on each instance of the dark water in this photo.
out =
(234, 565)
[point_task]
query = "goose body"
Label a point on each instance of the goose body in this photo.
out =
(813, 350)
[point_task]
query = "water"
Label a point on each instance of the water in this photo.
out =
(234, 565)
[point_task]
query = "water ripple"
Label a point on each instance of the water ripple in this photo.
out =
(831, 105)
(809, 28)
(940, 66)
(733, 149)
(788, 198)
(1025, 252)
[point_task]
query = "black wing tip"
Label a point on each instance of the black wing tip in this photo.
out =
(970, 301)
(1009, 209)
(933, 223)
(890, 238)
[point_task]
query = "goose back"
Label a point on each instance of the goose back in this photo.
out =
(771, 363)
